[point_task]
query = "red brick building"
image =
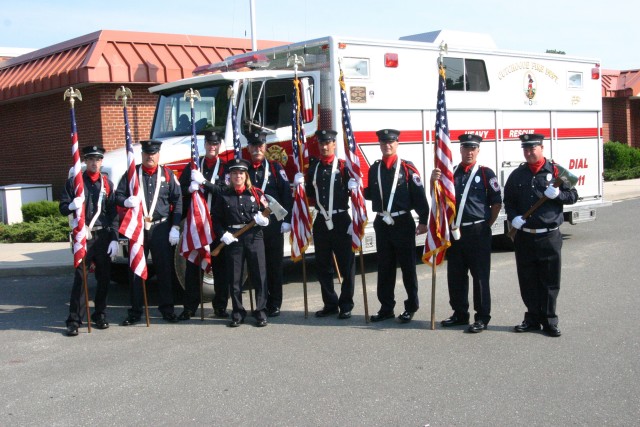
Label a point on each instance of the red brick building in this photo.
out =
(621, 106)
(35, 121)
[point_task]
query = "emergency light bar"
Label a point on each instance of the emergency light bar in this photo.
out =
(254, 61)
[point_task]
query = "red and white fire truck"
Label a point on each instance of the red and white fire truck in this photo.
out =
(496, 94)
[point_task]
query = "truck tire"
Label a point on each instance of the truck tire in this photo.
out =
(180, 266)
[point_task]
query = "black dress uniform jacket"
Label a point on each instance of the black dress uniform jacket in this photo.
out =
(103, 232)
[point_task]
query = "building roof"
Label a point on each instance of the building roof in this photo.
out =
(114, 57)
(620, 84)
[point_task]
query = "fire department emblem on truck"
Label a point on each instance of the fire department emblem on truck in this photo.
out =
(530, 87)
(277, 153)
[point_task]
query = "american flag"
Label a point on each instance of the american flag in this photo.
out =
(358, 207)
(132, 224)
(237, 149)
(79, 233)
(198, 231)
(300, 236)
(443, 199)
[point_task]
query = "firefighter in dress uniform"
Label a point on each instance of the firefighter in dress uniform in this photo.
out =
(211, 180)
(236, 206)
(271, 178)
(478, 203)
(538, 241)
(395, 188)
(102, 237)
(327, 180)
(162, 209)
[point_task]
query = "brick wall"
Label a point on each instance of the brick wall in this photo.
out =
(35, 139)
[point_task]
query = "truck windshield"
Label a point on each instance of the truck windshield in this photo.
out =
(173, 115)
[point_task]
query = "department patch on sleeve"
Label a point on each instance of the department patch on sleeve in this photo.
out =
(417, 180)
(283, 174)
(493, 182)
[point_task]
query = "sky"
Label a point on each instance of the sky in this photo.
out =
(584, 28)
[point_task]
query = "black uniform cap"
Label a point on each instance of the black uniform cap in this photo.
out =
(386, 135)
(150, 146)
(93, 151)
(326, 135)
(212, 137)
(256, 138)
(470, 140)
(238, 164)
(531, 139)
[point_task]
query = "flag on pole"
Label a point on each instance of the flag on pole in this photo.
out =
(443, 198)
(300, 236)
(132, 224)
(198, 231)
(79, 232)
(358, 207)
(237, 149)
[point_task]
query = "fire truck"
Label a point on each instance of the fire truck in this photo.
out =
(494, 93)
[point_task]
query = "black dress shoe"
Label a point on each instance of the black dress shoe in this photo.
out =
(552, 330)
(526, 326)
(220, 313)
(130, 320)
(455, 320)
(326, 312)
(382, 316)
(235, 323)
(478, 326)
(260, 323)
(170, 317)
(100, 320)
(72, 330)
(185, 315)
(406, 316)
(344, 315)
(273, 312)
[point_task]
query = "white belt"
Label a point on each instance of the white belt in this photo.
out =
(237, 226)
(538, 230)
(338, 211)
(393, 214)
(464, 224)
(158, 221)
(97, 228)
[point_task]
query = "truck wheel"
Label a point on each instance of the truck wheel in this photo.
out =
(180, 266)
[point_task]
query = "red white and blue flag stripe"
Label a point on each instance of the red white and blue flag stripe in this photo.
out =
(443, 199)
(79, 232)
(132, 224)
(358, 206)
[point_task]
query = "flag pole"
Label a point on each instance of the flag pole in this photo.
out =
(304, 285)
(86, 293)
(146, 304)
(201, 294)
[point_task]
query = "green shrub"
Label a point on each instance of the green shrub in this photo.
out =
(45, 229)
(620, 175)
(42, 209)
(619, 156)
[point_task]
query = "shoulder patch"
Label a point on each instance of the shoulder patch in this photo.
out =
(283, 174)
(493, 182)
(417, 180)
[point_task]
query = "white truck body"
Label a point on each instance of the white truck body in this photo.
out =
(494, 93)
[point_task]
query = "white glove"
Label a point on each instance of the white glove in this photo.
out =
(197, 176)
(227, 238)
(298, 179)
(352, 185)
(132, 202)
(174, 236)
(518, 222)
(113, 249)
(76, 203)
(261, 220)
(285, 227)
(193, 187)
(552, 192)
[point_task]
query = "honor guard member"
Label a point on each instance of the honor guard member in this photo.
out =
(478, 203)
(538, 241)
(162, 209)
(395, 188)
(102, 237)
(210, 179)
(271, 178)
(326, 180)
(235, 207)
